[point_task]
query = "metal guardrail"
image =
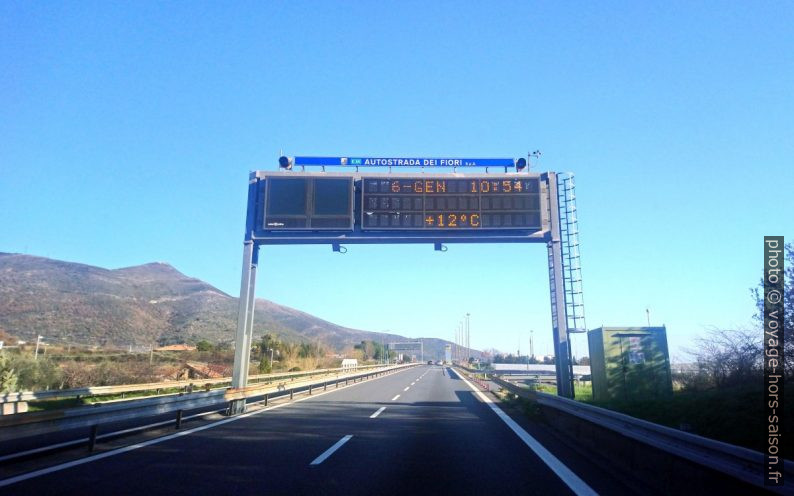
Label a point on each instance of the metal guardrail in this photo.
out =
(154, 386)
(742, 463)
(39, 423)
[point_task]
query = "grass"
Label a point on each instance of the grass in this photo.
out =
(582, 393)
(61, 404)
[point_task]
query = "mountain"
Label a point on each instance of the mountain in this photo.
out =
(144, 305)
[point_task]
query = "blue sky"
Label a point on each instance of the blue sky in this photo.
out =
(127, 132)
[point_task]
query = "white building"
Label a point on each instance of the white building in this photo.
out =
(349, 364)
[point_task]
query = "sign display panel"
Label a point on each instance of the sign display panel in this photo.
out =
(404, 162)
(443, 203)
(308, 203)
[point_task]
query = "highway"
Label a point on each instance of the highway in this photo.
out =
(423, 430)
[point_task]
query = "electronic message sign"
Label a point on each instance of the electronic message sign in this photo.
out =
(343, 208)
(308, 203)
(443, 203)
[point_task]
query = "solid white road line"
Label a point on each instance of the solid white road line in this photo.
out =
(378, 412)
(395, 397)
(577, 485)
(132, 447)
(330, 451)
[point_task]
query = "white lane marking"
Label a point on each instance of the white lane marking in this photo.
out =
(330, 451)
(577, 485)
(378, 412)
(395, 397)
(406, 389)
(132, 447)
(414, 382)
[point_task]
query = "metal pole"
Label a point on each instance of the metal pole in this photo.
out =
(460, 341)
(36, 353)
(558, 311)
(531, 345)
(468, 339)
(92, 437)
(242, 344)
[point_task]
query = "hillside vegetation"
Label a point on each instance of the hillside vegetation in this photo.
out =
(147, 305)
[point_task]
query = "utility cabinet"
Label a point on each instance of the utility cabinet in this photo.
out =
(629, 363)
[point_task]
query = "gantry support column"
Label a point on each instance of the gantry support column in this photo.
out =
(559, 318)
(245, 323)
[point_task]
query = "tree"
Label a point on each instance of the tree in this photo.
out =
(265, 367)
(8, 377)
(727, 358)
(204, 345)
(788, 310)
(730, 358)
(372, 350)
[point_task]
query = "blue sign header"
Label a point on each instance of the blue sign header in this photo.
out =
(403, 162)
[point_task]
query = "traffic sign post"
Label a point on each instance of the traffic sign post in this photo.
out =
(339, 208)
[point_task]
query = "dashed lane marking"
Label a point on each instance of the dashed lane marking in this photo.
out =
(330, 451)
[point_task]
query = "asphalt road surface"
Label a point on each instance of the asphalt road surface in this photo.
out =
(423, 430)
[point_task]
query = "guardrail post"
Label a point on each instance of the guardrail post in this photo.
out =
(265, 399)
(92, 437)
(337, 384)
(178, 419)
(345, 381)
(325, 385)
(310, 389)
(290, 393)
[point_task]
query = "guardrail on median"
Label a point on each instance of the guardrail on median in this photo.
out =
(735, 461)
(38, 423)
(156, 386)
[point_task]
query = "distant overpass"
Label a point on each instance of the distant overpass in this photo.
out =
(536, 368)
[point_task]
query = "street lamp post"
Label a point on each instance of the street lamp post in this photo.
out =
(36, 353)
(468, 338)
(531, 349)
